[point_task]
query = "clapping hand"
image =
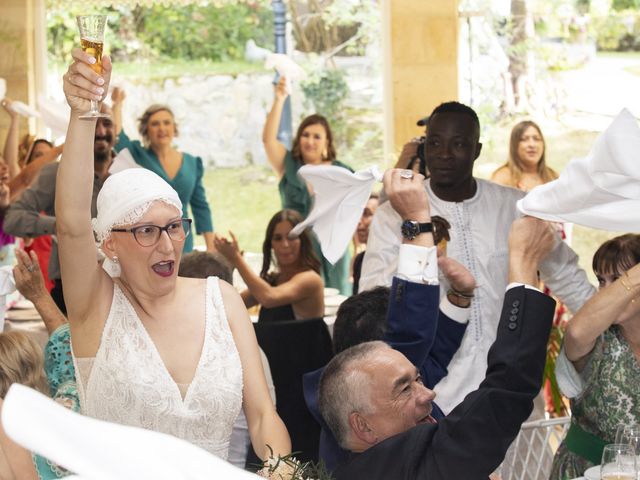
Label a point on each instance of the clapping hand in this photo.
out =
(228, 248)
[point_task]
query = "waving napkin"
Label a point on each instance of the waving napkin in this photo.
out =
(285, 67)
(99, 450)
(601, 190)
(340, 196)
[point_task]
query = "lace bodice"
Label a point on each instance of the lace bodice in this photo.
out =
(129, 383)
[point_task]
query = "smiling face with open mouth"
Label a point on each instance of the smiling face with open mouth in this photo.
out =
(399, 400)
(150, 266)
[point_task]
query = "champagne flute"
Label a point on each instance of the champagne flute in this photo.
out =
(92, 41)
(618, 463)
(630, 435)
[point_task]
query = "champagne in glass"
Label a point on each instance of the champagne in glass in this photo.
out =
(92, 41)
(618, 463)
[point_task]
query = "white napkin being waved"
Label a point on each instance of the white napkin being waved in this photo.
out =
(340, 197)
(599, 191)
(98, 450)
(285, 67)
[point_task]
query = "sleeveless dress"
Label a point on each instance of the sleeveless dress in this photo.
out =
(129, 384)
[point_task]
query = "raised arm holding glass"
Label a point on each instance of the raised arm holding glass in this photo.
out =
(151, 349)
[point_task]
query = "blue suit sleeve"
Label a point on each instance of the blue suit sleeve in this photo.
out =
(412, 319)
(449, 335)
(199, 203)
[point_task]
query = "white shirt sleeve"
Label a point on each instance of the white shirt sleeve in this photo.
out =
(518, 284)
(455, 313)
(569, 380)
(418, 264)
(380, 263)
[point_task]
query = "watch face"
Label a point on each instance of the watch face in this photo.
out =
(410, 229)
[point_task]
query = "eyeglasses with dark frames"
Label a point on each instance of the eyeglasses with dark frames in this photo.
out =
(149, 235)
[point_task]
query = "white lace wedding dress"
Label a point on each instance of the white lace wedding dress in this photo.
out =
(128, 383)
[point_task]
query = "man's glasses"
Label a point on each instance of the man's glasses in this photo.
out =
(149, 235)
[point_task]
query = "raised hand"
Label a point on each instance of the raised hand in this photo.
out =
(81, 83)
(281, 89)
(6, 104)
(28, 276)
(228, 248)
(460, 279)
(118, 95)
(407, 195)
(530, 241)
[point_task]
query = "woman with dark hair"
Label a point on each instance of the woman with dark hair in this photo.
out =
(313, 145)
(526, 166)
(599, 365)
(182, 171)
(24, 158)
(291, 291)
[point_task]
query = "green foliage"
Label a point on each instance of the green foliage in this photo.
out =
(619, 5)
(196, 32)
(326, 89)
(618, 31)
(192, 32)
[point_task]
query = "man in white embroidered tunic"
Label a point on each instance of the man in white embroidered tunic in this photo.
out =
(480, 214)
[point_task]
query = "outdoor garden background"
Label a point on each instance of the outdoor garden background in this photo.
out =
(578, 60)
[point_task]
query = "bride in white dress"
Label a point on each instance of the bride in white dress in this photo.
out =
(151, 349)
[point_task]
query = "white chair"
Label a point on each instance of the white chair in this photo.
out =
(531, 454)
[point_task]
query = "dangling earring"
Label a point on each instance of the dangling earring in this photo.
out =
(112, 266)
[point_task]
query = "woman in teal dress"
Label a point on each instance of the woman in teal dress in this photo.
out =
(22, 361)
(181, 170)
(599, 365)
(313, 145)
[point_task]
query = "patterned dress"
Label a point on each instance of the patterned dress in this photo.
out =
(58, 365)
(609, 394)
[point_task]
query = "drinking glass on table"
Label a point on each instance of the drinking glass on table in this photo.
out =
(630, 435)
(618, 462)
(92, 42)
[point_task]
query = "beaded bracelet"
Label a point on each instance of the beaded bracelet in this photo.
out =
(467, 296)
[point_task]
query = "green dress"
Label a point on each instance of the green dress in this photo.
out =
(187, 183)
(295, 196)
(610, 396)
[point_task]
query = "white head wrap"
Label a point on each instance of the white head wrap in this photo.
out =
(126, 196)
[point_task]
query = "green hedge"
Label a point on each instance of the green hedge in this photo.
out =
(618, 31)
(188, 33)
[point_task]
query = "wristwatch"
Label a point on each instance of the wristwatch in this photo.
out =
(411, 229)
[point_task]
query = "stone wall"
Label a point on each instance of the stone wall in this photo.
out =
(220, 118)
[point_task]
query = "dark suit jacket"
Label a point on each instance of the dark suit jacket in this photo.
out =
(413, 330)
(472, 440)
